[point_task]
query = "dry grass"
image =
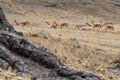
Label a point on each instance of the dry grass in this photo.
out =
(10, 75)
(89, 50)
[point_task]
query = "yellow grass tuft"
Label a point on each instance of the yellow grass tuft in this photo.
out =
(10, 75)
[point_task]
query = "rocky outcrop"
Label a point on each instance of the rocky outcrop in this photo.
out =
(32, 60)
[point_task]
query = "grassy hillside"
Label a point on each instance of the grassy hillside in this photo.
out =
(103, 9)
(82, 49)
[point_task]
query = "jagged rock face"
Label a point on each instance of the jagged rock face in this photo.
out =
(31, 60)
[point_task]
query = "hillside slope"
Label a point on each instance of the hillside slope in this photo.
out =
(103, 9)
(94, 50)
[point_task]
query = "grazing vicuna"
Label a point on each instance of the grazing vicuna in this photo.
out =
(88, 24)
(53, 25)
(79, 26)
(16, 22)
(63, 25)
(97, 26)
(86, 29)
(109, 27)
(47, 22)
(23, 23)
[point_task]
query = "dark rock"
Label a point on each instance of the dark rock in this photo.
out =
(84, 2)
(117, 4)
(4, 25)
(31, 60)
(51, 4)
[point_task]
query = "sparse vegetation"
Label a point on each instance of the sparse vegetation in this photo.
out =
(78, 42)
(116, 61)
(84, 53)
(10, 75)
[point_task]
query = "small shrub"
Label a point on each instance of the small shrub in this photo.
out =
(116, 61)
(34, 35)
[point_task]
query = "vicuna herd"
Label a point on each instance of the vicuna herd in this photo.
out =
(88, 26)
(55, 25)
(96, 26)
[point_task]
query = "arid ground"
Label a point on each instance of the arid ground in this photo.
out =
(93, 50)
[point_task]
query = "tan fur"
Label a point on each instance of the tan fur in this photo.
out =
(55, 23)
(96, 25)
(86, 29)
(22, 23)
(109, 27)
(16, 22)
(47, 22)
(88, 24)
(63, 25)
(53, 26)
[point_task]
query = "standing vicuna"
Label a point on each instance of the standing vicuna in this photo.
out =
(53, 25)
(63, 25)
(47, 22)
(16, 22)
(109, 27)
(97, 26)
(88, 24)
(23, 23)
